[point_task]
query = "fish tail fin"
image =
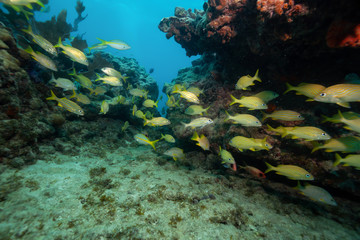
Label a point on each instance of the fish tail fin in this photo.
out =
(162, 136)
(265, 116)
(338, 159)
(195, 137)
(74, 94)
(156, 103)
(124, 78)
(227, 116)
(73, 73)
(40, 3)
(146, 94)
(326, 119)
(52, 97)
(270, 168)
(91, 90)
(152, 143)
(29, 50)
(103, 42)
(28, 30)
(234, 100)
(285, 132)
(52, 78)
(316, 145)
(59, 44)
(98, 77)
(342, 118)
(271, 128)
(256, 76)
(298, 186)
(289, 88)
(29, 6)
(184, 124)
(206, 109)
(146, 121)
(219, 150)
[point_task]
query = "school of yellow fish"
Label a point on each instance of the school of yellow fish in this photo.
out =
(340, 94)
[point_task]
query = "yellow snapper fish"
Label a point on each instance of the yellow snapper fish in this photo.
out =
(110, 80)
(244, 143)
(245, 81)
(134, 110)
(178, 87)
(316, 194)
(340, 94)
(290, 171)
(81, 98)
(112, 72)
(284, 115)
(336, 117)
(117, 44)
(117, 100)
(309, 90)
(104, 107)
(176, 153)
(149, 115)
(157, 121)
(196, 110)
(189, 96)
(352, 124)
(246, 120)
(195, 90)
(171, 102)
(138, 92)
(26, 3)
(307, 132)
(150, 103)
(202, 141)
(198, 122)
(168, 138)
(97, 47)
(266, 96)
(343, 144)
(139, 114)
(42, 59)
(97, 91)
(67, 104)
(226, 156)
(126, 125)
(42, 42)
(63, 83)
(251, 102)
(83, 80)
(352, 160)
(142, 139)
(75, 54)
(280, 130)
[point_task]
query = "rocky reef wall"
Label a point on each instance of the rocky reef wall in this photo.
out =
(289, 40)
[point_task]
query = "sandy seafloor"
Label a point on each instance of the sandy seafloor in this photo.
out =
(135, 193)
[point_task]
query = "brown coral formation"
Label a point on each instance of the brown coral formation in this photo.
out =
(282, 37)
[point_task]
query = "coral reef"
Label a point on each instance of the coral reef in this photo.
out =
(283, 37)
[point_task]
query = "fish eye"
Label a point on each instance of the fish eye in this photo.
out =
(266, 145)
(307, 175)
(323, 134)
(322, 94)
(299, 116)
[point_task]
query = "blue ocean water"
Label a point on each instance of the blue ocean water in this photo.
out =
(136, 23)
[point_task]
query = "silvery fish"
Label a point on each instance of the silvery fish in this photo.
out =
(198, 122)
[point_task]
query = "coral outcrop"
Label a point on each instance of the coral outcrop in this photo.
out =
(285, 38)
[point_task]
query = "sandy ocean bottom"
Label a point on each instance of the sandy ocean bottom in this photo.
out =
(135, 193)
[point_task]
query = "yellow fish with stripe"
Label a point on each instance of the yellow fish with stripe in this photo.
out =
(226, 156)
(266, 96)
(280, 130)
(245, 81)
(150, 103)
(352, 124)
(26, 3)
(83, 80)
(168, 138)
(67, 104)
(352, 160)
(112, 72)
(104, 107)
(196, 110)
(246, 120)
(157, 121)
(309, 90)
(291, 171)
(340, 94)
(189, 96)
(343, 144)
(308, 133)
(195, 90)
(244, 143)
(75, 54)
(117, 44)
(251, 102)
(142, 139)
(81, 98)
(42, 59)
(317, 194)
(202, 141)
(198, 122)
(336, 117)
(42, 42)
(176, 153)
(110, 80)
(284, 115)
